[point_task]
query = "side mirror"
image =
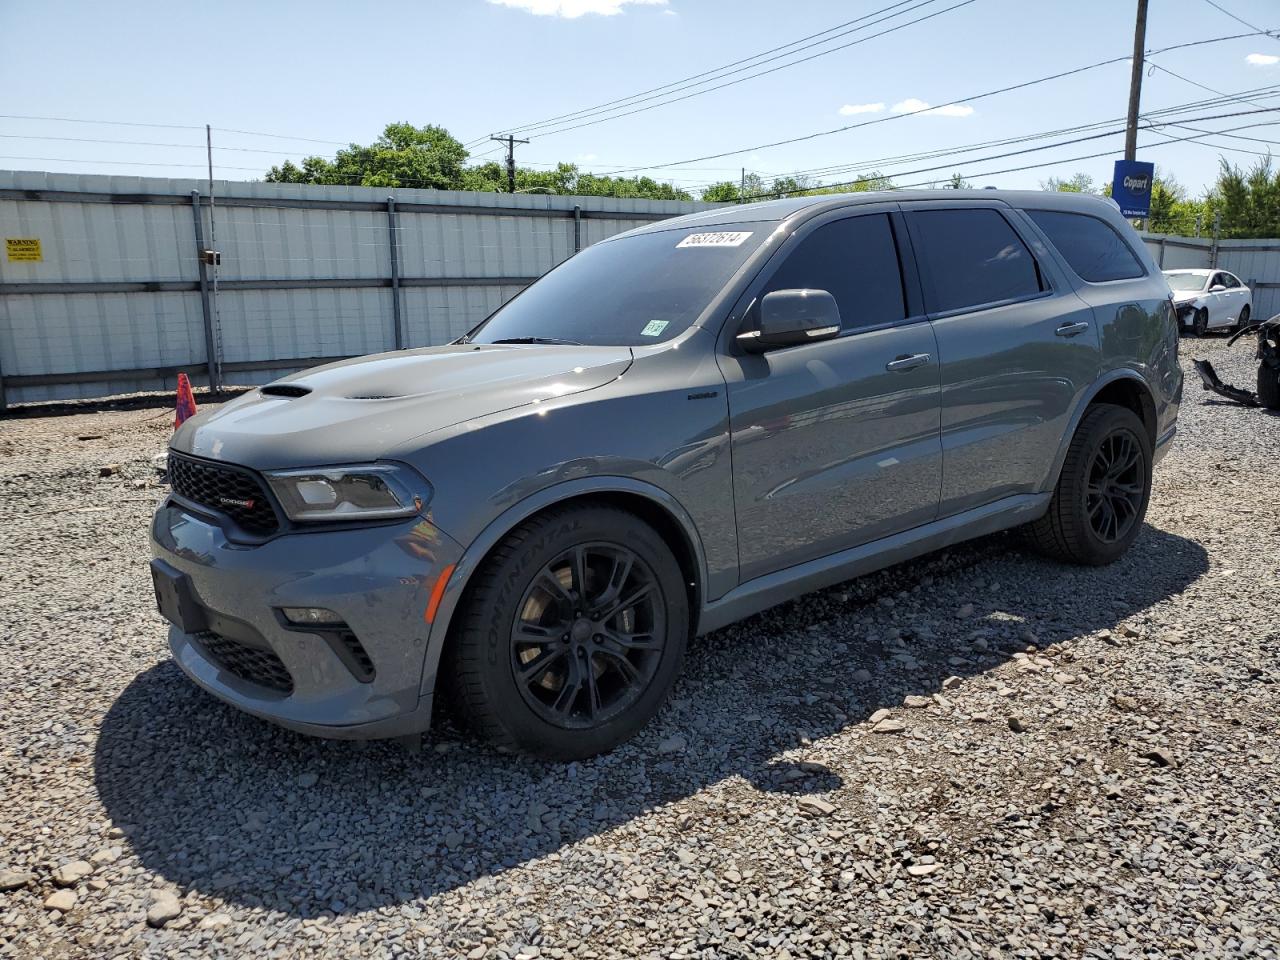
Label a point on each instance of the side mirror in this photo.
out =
(792, 317)
(1217, 288)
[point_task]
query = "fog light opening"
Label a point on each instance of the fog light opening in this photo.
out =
(312, 617)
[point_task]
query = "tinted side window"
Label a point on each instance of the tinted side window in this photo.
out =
(1093, 248)
(854, 260)
(971, 257)
(1232, 281)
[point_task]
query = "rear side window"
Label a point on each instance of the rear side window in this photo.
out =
(1093, 248)
(971, 257)
(855, 261)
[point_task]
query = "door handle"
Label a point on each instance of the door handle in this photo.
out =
(1071, 329)
(902, 364)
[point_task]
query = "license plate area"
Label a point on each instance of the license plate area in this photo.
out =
(176, 599)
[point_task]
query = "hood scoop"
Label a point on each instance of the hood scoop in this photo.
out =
(290, 390)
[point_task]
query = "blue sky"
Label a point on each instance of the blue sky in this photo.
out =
(340, 71)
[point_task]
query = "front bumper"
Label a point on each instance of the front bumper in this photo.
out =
(377, 578)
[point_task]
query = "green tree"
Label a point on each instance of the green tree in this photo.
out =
(1247, 201)
(431, 158)
(403, 156)
(958, 182)
(1077, 183)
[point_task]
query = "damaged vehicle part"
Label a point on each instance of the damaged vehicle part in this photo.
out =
(1268, 354)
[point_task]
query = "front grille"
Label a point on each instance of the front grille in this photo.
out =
(236, 493)
(250, 664)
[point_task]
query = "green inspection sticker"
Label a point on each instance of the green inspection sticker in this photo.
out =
(654, 328)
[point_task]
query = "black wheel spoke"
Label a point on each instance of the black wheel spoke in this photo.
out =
(533, 669)
(619, 662)
(572, 686)
(631, 641)
(637, 595)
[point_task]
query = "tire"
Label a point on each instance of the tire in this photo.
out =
(1069, 530)
(1200, 323)
(1242, 321)
(522, 611)
(1268, 387)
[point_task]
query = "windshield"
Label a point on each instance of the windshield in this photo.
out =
(636, 290)
(1185, 281)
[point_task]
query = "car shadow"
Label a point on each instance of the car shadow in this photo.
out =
(223, 804)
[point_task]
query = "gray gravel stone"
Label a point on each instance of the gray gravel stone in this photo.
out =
(954, 838)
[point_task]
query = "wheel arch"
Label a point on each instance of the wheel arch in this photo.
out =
(652, 504)
(1123, 388)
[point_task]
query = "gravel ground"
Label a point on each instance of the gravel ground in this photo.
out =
(975, 754)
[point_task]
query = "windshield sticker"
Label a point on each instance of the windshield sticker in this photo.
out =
(714, 240)
(654, 328)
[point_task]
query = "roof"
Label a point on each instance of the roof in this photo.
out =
(778, 210)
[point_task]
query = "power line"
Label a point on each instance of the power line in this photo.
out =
(1051, 146)
(951, 103)
(1025, 138)
(622, 101)
(113, 123)
(141, 143)
(1222, 9)
(564, 120)
(730, 83)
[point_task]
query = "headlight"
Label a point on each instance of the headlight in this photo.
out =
(372, 492)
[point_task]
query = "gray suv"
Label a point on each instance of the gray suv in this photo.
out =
(674, 429)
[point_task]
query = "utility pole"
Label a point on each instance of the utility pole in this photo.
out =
(742, 191)
(1135, 81)
(511, 142)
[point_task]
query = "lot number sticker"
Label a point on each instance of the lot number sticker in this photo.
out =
(714, 240)
(654, 328)
(23, 249)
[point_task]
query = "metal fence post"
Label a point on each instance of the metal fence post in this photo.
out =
(395, 272)
(3, 403)
(577, 228)
(210, 342)
(1160, 261)
(1217, 233)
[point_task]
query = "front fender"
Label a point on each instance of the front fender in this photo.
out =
(505, 522)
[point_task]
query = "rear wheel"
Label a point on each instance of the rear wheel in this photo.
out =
(1102, 494)
(1200, 323)
(572, 634)
(1243, 320)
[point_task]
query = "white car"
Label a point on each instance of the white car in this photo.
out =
(1209, 299)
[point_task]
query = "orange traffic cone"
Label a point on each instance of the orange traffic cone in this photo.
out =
(186, 406)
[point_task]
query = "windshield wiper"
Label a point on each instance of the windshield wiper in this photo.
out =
(553, 340)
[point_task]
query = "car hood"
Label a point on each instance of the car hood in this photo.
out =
(1186, 296)
(359, 410)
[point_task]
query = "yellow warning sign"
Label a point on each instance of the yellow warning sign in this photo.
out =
(23, 249)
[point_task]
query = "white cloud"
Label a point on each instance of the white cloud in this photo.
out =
(572, 9)
(851, 109)
(1262, 59)
(912, 105)
(586, 157)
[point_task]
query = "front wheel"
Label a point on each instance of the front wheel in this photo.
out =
(1102, 494)
(572, 634)
(1200, 323)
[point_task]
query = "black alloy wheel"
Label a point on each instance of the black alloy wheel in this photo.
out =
(570, 635)
(1102, 492)
(588, 635)
(1116, 489)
